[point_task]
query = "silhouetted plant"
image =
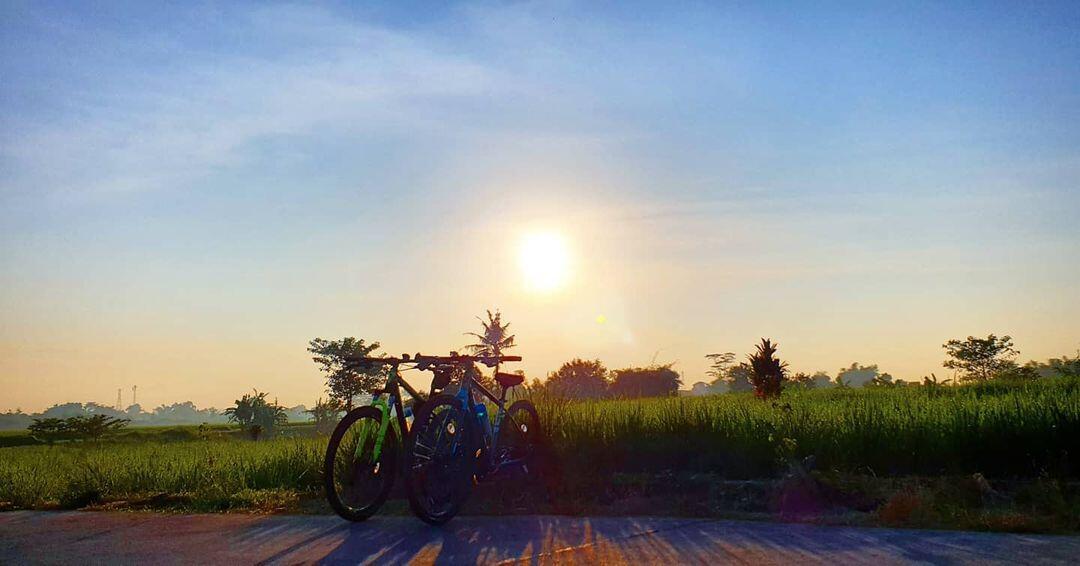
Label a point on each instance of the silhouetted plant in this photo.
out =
(495, 338)
(656, 381)
(92, 427)
(980, 359)
(326, 415)
(767, 372)
(578, 379)
(493, 341)
(346, 379)
(256, 415)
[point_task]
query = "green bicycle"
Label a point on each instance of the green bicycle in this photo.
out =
(366, 446)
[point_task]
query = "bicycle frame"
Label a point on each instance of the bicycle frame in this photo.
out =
(468, 384)
(393, 387)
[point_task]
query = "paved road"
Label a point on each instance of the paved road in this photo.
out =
(85, 537)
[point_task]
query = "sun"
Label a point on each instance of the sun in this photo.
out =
(545, 261)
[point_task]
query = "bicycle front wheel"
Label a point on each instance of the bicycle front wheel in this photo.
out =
(359, 468)
(439, 463)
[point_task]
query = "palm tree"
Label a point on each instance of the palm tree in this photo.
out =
(494, 339)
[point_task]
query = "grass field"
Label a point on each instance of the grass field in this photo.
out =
(1003, 431)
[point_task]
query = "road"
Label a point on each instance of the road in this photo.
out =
(110, 538)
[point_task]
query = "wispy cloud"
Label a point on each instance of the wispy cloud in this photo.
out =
(149, 131)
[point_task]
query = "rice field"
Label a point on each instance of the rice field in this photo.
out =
(1002, 430)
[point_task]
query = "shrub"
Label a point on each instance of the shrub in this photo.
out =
(767, 372)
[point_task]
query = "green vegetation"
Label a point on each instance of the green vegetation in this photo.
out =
(697, 455)
(256, 415)
(1002, 428)
(201, 475)
(93, 427)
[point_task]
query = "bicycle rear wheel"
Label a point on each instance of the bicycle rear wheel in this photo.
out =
(439, 463)
(520, 436)
(357, 481)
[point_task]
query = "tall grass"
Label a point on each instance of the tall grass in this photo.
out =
(1001, 429)
(997, 429)
(209, 472)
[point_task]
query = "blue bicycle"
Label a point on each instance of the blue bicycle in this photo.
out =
(454, 440)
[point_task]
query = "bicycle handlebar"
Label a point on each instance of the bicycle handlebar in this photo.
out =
(426, 361)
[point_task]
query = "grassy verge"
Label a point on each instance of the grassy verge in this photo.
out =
(902, 457)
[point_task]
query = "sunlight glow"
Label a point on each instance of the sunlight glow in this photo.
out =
(545, 261)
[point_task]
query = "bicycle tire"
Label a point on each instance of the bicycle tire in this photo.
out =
(451, 463)
(385, 467)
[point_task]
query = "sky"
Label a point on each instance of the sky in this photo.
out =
(190, 192)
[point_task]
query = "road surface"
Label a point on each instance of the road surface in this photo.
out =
(112, 538)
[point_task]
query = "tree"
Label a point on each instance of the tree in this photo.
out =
(50, 429)
(578, 379)
(720, 365)
(494, 340)
(1066, 366)
(857, 375)
(884, 380)
(767, 372)
(1055, 367)
(727, 374)
(980, 359)
(802, 379)
(257, 415)
(326, 415)
(96, 426)
(344, 379)
(738, 379)
(656, 381)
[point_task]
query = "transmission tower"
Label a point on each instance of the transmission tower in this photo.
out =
(133, 388)
(119, 403)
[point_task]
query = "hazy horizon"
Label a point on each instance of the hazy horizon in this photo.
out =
(188, 194)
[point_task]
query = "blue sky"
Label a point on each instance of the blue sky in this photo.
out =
(190, 192)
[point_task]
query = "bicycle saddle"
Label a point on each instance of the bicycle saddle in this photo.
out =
(508, 380)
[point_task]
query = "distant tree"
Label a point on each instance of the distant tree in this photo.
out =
(1015, 372)
(818, 379)
(857, 375)
(720, 365)
(655, 381)
(64, 411)
(346, 379)
(738, 379)
(1066, 366)
(1055, 367)
(326, 414)
(495, 338)
(767, 372)
(980, 359)
(933, 381)
(578, 379)
(821, 379)
(50, 429)
(96, 426)
(883, 380)
(256, 415)
(93, 427)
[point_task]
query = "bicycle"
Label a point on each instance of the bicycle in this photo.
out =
(453, 440)
(363, 454)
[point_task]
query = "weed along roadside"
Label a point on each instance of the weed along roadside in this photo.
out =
(984, 456)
